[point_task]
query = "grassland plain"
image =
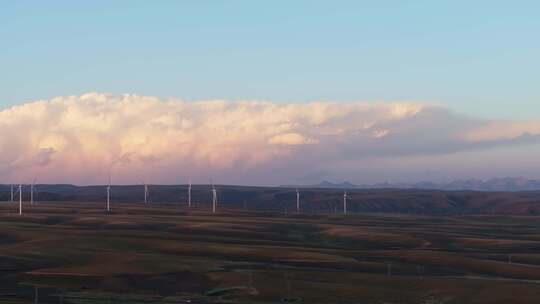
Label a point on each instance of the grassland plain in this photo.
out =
(76, 253)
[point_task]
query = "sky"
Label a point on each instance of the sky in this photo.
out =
(462, 77)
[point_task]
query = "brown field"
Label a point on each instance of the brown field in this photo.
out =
(76, 253)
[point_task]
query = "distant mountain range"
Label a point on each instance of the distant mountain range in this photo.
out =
(495, 184)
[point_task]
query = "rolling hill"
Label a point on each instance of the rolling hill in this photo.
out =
(314, 200)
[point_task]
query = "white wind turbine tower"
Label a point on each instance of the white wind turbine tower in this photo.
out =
(109, 193)
(345, 202)
(214, 199)
(32, 186)
(297, 200)
(20, 199)
(189, 193)
(146, 193)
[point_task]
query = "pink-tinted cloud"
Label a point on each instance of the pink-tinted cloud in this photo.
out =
(77, 139)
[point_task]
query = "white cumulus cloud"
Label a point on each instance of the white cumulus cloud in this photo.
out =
(76, 139)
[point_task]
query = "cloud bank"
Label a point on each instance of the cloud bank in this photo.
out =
(78, 139)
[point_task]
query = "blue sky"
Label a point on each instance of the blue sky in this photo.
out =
(477, 57)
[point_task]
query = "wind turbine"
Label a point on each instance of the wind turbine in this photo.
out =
(189, 193)
(214, 199)
(345, 202)
(146, 193)
(12, 194)
(297, 200)
(20, 199)
(109, 193)
(32, 191)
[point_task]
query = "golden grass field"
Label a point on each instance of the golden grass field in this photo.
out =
(76, 253)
